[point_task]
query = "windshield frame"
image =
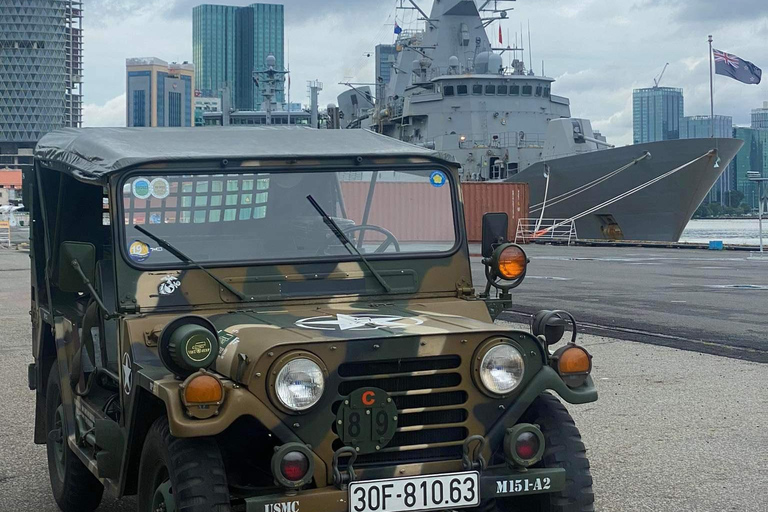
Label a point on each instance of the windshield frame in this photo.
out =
(194, 168)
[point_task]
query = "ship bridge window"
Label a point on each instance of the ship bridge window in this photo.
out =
(448, 90)
(514, 90)
(477, 89)
(461, 90)
(539, 90)
(502, 89)
(547, 92)
(490, 89)
(527, 90)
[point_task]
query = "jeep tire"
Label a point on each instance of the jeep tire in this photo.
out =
(187, 475)
(75, 489)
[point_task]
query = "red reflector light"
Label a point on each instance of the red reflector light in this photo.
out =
(527, 445)
(294, 466)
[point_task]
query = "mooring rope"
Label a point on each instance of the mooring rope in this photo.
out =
(583, 188)
(625, 194)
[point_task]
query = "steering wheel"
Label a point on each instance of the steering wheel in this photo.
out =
(389, 240)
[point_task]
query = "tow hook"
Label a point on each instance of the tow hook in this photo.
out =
(474, 461)
(340, 479)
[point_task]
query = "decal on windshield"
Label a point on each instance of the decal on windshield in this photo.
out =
(139, 251)
(437, 179)
(160, 188)
(142, 188)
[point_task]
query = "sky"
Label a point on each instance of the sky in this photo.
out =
(597, 50)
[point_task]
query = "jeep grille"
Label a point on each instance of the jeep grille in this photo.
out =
(430, 403)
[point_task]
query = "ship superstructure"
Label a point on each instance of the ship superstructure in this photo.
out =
(450, 90)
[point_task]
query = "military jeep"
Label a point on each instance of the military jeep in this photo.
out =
(283, 320)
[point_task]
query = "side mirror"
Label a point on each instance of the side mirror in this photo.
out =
(495, 229)
(69, 280)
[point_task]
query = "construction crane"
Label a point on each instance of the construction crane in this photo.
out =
(657, 80)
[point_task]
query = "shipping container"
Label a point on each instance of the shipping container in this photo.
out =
(481, 198)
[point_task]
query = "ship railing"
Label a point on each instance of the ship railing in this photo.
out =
(502, 140)
(546, 230)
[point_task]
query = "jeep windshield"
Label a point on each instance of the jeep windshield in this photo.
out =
(226, 219)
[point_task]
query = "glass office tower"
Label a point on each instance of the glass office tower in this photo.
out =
(657, 114)
(230, 43)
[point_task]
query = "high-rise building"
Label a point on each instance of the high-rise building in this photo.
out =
(40, 73)
(751, 157)
(386, 57)
(230, 43)
(73, 20)
(700, 127)
(760, 117)
(158, 93)
(657, 114)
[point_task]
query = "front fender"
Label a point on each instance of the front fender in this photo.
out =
(238, 402)
(546, 379)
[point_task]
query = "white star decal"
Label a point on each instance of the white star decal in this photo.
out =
(127, 369)
(358, 322)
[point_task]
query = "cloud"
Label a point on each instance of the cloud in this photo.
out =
(112, 113)
(599, 50)
(299, 10)
(710, 11)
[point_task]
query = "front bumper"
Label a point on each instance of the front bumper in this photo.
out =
(496, 482)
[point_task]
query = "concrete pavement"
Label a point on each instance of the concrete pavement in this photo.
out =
(708, 301)
(672, 430)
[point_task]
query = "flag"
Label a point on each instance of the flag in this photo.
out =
(398, 30)
(501, 41)
(736, 68)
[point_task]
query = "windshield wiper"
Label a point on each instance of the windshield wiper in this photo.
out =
(183, 257)
(345, 241)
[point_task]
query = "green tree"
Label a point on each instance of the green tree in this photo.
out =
(702, 212)
(746, 209)
(734, 198)
(716, 209)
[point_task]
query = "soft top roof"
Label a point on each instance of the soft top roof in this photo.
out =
(91, 154)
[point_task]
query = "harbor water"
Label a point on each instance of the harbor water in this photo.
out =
(730, 231)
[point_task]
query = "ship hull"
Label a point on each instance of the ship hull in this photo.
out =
(659, 212)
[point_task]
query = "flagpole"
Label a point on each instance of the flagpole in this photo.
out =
(711, 93)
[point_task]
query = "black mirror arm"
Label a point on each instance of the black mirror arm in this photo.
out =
(94, 294)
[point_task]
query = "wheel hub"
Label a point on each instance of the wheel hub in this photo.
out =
(163, 500)
(57, 436)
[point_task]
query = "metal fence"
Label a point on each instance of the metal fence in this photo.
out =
(546, 230)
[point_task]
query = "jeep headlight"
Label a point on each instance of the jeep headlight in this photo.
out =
(299, 384)
(501, 369)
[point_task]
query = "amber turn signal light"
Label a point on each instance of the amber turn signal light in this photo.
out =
(574, 364)
(203, 389)
(202, 394)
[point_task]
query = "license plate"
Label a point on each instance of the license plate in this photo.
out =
(435, 492)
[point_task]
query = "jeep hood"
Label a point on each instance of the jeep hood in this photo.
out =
(253, 333)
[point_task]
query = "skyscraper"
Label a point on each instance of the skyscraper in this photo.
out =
(230, 43)
(386, 56)
(657, 114)
(700, 127)
(760, 117)
(749, 158)
(158, 93)
(40, 73)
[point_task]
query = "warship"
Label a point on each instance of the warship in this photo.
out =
(449, 90)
